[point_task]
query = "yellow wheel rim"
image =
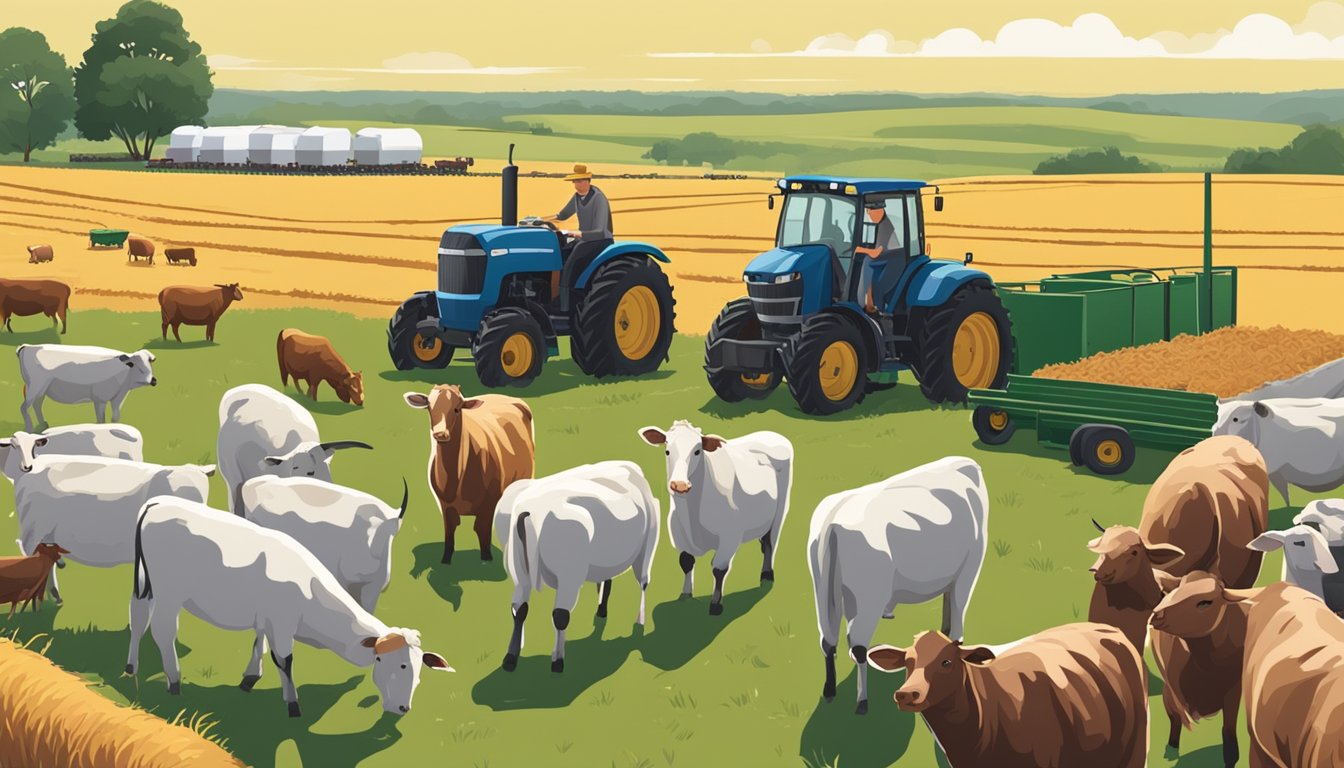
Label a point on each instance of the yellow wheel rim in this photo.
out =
(839, 370)
(637, 322)
(998, 421)
(516, 356)
(1108, 452)
(758, 381)
(424, 353)
(975, 351)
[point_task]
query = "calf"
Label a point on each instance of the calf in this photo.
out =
(907, 539)
(188, 555)
(312, 360)
(724, 493)
(24, 579)
(180, 255)
(263, 432)
(478, 447)
(140, 248)
(70, 374)
(1309, 561)
(40, 254)
(589, 523)
(348, 531)
(1302, 439)
(113, 441)
(25, 298)
(1072, 695)
(181, 305)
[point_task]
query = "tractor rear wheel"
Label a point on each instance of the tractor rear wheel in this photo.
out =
(623, 324)
(738, 321)
(826, 365)
(408, 349)
(509, 349)
(965, 344)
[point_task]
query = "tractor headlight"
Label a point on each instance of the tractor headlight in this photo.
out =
(789, 278)
(499, 251)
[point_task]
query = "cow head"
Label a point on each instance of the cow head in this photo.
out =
(231, 291)
(1195, 605)
(445, 404)
(1306, 553)
(935, 668)
(1327, 516)
(51, 552)
(1122, 554)
(142, 368)
(308, 459)
(685, 447)
(351, 388)
(23, 448)
(1242, 418)
(397, 662)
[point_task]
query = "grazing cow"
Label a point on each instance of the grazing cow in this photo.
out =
(1309, 561)
(25, 298)
(180, 255)
(188, 555)
(312, 360)
(24, 579)
(1292, 652)
(478, 447)
(181, 305)
(907, 539)
(113, 441)
(71, 374)
(348, 531)
(140, 248)
(39, 254)
(89, 504)
(1301, 439)
(724, 493)
(1072, 695)
(589, 523)
(263, 432)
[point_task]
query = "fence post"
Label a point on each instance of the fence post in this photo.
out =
(1206, 315)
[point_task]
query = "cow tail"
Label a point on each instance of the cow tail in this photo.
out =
(143, 589)
(280, 356)
(531, 559)
(827, 574)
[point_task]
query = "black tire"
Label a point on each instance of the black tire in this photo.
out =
(803, 359)
(992, 425)
(594, 344)
(402, 338)
(1107, 450)
(497, 358)
(1076, 444)
(937, 331)
(738, 321)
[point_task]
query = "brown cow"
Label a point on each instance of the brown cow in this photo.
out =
(177, 255)
(25, 298)
(196, 305)
(1072, 695)
(312, 360)
(24, 579)
(140, 248)
(38, 254)
(478, 447)
(1127, 589)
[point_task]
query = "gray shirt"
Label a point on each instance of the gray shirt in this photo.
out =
(594, 214)
(887, 238)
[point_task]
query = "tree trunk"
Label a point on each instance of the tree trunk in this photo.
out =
(27, 152)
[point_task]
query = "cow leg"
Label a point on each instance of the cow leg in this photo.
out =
(767, 559)
(860, 633)
(723, 560)
(828, 689)
(252, 674)
(116, 406)
(367, 595)
(450, 522)
(163, 625)
(687, 561)
(176, 328)
(1231, 705)
(605, 593)
(1281, 485)
(54, 588)
(484, 522)
(1174, 721)
(282, 653)
(141, 610)
(63, 323)
(33, 400)
(566, 596)
(210, 336)
(643, 567)
(312, 389)
(165, 327)
(519, 610)
(955, 603)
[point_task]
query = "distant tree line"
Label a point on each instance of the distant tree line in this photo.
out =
(1318, 149)
(1106, 160)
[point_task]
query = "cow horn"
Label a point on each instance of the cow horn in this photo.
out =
(405, 497)
(1099, 528)
(221, 285)
(339, 444)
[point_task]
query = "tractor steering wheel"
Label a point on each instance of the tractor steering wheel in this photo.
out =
(537, 221)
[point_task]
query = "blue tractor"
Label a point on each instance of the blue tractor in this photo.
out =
(507, 292)
(803, 322)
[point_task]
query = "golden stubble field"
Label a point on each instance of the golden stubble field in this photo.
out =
(362, 245)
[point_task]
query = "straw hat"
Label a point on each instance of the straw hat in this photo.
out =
(580, 172)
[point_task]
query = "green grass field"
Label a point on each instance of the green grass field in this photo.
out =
(691, 690)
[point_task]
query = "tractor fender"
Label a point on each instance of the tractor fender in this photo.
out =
(935, 282)
(615, 251)
(871, 332)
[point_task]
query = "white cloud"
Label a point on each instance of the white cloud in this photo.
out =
(226, 61)
(430, 63)
(430, 60)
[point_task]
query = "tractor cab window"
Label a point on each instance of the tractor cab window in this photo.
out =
(820, 219)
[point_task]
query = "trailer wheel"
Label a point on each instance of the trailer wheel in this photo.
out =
(826, 365)
(407, 348)
(509, 349)
(992, 425)
(738, 321)
(623, 323)
(1105, 450)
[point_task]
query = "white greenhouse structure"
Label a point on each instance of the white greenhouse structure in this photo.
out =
(184, 146)
(323, 146)
(273, 145)
(226, 144)
(388, 146)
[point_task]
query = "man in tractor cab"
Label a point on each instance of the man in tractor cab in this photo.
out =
(593, 235)
(886, 244)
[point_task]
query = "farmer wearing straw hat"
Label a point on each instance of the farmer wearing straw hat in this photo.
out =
(594, 233)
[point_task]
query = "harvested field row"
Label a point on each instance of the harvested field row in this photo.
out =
(1227, 363)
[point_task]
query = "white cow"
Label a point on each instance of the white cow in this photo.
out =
(349, 531)
(88, 504)
(239, 576)
(907, 539)
(263, 432)
(1307, 559)
(1323, 381)
(724, 493)
(114, 441)
(1302, 439)
(1327, 515)
(589, 523)
(70, 374)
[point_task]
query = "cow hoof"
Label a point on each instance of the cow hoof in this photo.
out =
(249, 682)
(828, 693)
(601, 612)
(767, 576)
(175, 689)
(294, 709)
(684, 596)
(1171, 753)
(888, 615)
(715, 609)
(510, 662)
(558, 665)
(447, 558)
(486, 557)
(862, 709)
(130, 670)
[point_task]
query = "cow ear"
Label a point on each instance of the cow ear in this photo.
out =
(474, 402)
(1165, 581)
(1261, 409)
(124, 358)
(886, 658)
(369, 642)
(416, 400)
(712, 443)
(435, 661)
(1095, 544)
(653, 436)
(6, 443)
(977, 654)
(39, 442)
(1163, 554)
(1267, 541)
(1325, 559)
(273, 461)
(1238, 595)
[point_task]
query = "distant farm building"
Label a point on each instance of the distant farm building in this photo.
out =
(388, 146)
(273, 145)
(227, 145)
(184, 146)
(323, 146)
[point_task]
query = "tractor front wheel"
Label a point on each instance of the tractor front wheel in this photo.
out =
(407, 348)
(738, 322)
(826, 365)
(509, 349)
(623, 322)
(965, 344)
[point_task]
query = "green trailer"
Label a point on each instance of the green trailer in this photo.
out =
(114, 238)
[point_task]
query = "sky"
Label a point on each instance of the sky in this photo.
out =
(1053, 47)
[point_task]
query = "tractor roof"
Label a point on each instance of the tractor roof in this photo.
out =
(864, 186)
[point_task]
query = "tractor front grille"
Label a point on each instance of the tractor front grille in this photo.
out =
(778, 303)
(461, 264)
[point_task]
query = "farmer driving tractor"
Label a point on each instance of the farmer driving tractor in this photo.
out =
(886, 246)
(594, 233)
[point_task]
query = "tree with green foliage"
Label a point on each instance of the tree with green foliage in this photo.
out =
(698, 148)
(1107, 160)
(142, 77)
(39, 100)
(1318, 149)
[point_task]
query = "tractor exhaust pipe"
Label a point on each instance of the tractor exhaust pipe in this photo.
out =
(509, 213)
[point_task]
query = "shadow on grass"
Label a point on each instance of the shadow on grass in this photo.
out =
(901, 399)
(684, 628)
(446, 580)
(1204, 757)
(559, 374)
(332, 407)
(174, 344)
(1148, 462)
(834, 735)
(48, 335)
(533, 685)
